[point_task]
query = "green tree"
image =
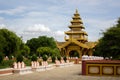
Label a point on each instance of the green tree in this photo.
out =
(41, 41)
(59, 57)
(2, 42)
(25, 51)
(45, 57)
(9, 42)
(55, 52)
(65, 58)
(34, 58)
(53, 58)
(44, 51)
(19, 58)
(109, 45)
(33, 44)
(1, 57)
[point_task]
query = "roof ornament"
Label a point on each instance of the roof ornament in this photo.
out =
(76, 11)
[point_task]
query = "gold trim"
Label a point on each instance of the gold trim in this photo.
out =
(117, 71)
(101, 66)
(100, 69)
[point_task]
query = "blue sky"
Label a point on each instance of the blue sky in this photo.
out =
(33, 18)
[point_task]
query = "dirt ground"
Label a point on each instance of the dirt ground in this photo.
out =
(64, 73)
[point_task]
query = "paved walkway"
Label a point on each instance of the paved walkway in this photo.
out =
(66, 73)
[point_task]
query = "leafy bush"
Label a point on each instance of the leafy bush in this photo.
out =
(53, 58)
(45, 57)
(59, 58)
(34, 58)
(1, 58)
(6, 63)
(27, 62)
(65, 58)
(19, 58)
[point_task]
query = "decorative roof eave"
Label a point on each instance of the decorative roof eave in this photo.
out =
(65, 44)
(77, 21)
(76, 32)
(76, 26)
(75, 42)
(91, 44)
(76, 17)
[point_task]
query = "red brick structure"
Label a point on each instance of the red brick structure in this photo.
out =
(6, 71)
(101, 67)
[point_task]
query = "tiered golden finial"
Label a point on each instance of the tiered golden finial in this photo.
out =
(76, 27)
(76, 11)
(77, 21)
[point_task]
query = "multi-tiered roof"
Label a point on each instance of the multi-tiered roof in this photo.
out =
(76, 29)
(76, 39)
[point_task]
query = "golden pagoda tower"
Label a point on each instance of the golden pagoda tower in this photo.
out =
(76, 39)
(76, 29)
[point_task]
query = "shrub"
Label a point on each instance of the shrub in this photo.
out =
(1, 58)
(19, 58)
(65, 58)
(6, 63)
(45, 57)
(53, 58)
(34, 58)
(27, 62)
(59, 58)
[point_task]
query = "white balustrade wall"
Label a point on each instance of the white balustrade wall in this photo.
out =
(86, 57)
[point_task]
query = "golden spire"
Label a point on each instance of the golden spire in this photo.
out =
(76, 28)
(76, 11)
(77, 21)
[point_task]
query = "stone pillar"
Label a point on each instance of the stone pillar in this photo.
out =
(19, 65)
(32, 64)
(37, 64)
(15, 65)
(22, 65)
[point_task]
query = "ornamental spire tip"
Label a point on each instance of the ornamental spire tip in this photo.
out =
(76, 11)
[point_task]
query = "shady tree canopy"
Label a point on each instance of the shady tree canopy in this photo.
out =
(109, 44)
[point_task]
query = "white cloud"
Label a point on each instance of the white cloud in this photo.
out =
(38, 28)
(95, 27)
(13, 11)
(100, 24)
(57, 15)
(2, 26)
(59, 33)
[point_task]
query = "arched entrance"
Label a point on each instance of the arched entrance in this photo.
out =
(74, 53)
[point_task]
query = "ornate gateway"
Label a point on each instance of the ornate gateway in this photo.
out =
(76, 40)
